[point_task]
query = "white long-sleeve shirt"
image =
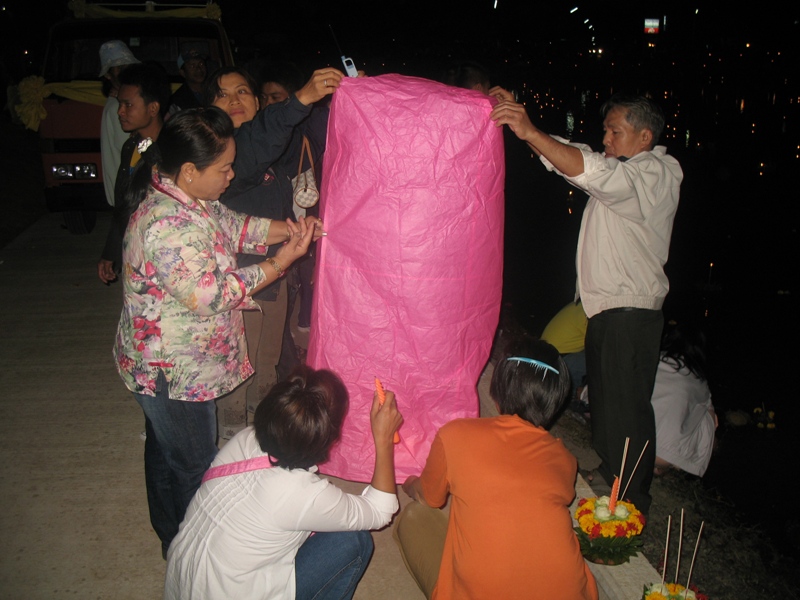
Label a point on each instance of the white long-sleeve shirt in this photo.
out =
(112, 139)
(684, 418)
(626, 228)
(242, 532)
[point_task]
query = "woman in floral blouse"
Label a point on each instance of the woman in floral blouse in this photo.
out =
(180, 342)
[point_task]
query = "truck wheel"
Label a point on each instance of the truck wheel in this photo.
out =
(80, 222)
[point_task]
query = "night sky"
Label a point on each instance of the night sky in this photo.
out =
(415, 31)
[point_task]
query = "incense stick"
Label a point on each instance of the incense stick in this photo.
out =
(634, 467)
(666, 550)
(680, 544)
(694, 555)
(624, 457)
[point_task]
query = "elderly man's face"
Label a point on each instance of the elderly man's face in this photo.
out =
(620, 138)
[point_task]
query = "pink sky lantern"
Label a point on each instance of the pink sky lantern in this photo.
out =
(409, 279)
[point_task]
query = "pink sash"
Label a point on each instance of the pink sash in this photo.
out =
(242, 466)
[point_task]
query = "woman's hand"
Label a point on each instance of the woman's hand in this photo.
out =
(385, 420)
(316, 224)
(322, 83)
(297, 237)
(300, 236)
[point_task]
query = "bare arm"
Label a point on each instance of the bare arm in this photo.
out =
(566, 159)
(299, 236)
(385, 420)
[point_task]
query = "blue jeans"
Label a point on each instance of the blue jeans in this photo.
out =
(576, 365)
(180, 445)
(329, 565)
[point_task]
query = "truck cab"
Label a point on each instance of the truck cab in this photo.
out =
(70, 132)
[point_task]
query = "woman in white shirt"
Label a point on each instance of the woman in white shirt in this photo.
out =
(248, 531)
(685, 417)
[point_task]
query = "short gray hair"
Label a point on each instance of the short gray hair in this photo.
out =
(642, 113)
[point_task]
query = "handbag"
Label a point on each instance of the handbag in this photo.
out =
(306, 193)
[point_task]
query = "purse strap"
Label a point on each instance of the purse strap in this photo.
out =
(234, 468)
(306, 150)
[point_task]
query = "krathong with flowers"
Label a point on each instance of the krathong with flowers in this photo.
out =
(608, 528)
(671, 591)
(675, 591)
(608, 537)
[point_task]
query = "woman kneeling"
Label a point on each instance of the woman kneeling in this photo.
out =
(509, 534)
(248, 531)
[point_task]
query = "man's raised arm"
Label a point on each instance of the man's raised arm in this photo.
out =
(566, 159)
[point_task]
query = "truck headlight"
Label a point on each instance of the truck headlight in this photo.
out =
(75, 171)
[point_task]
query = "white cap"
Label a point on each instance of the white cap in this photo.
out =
(115, 54)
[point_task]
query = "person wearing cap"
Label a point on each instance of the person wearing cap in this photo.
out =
(192, 67)
(114, 57)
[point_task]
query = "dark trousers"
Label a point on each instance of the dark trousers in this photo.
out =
(180, 445)
(622, 350)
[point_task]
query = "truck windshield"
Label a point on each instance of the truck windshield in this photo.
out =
(73, 51)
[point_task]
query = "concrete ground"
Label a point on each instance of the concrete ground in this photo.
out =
(73, 510)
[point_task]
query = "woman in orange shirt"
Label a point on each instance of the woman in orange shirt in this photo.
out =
(509, 534)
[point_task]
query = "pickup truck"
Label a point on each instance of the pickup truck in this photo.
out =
(70, 131)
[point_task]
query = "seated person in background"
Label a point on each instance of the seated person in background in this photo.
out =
(685, 417)
(247, 532)
(567, 332)
(509, 534)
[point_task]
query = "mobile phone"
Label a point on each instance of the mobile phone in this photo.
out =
(349, 66)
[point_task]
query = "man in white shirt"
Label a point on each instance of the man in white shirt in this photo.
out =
(623, 245)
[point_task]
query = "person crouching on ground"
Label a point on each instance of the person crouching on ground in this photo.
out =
(509, 534)
(247, 533)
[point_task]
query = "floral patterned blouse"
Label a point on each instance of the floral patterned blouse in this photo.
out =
(183, 294)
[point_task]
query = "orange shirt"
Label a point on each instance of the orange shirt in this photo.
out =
(510, 532)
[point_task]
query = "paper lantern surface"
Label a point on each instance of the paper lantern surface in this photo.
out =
(409, 279)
